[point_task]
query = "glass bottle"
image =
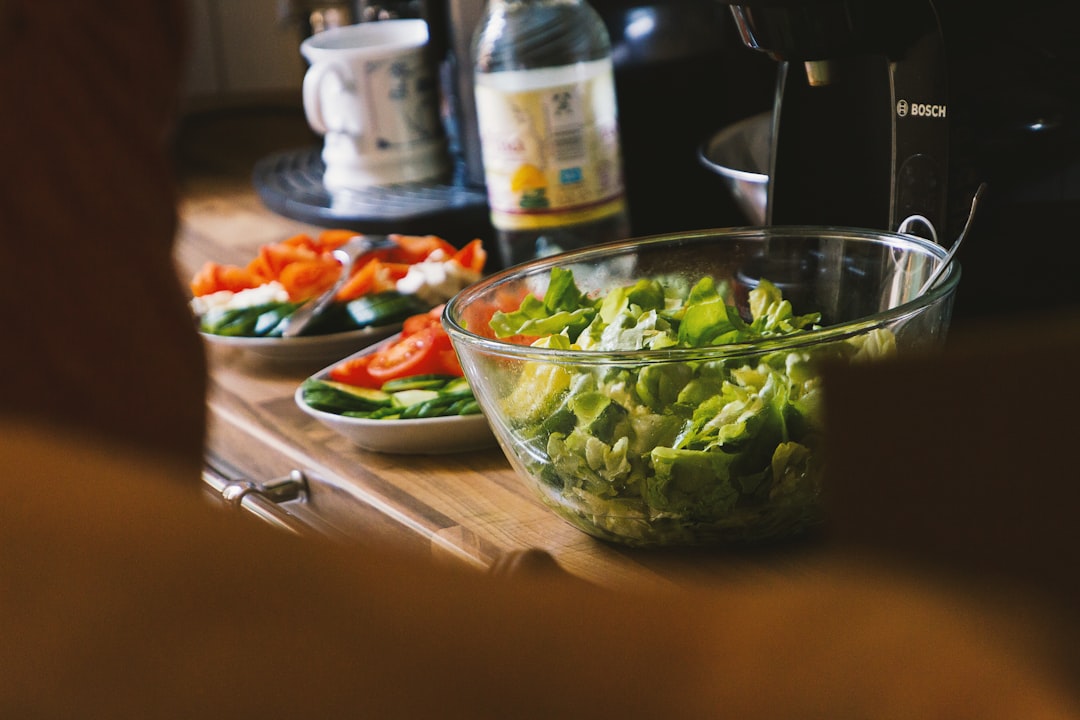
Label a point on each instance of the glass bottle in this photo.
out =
(548, 125)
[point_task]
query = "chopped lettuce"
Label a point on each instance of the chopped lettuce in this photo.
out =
(563, 310)
(683, 451)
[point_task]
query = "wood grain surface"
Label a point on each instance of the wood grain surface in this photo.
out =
(468, 507)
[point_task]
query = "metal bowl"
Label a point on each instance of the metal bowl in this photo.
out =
(740, 155)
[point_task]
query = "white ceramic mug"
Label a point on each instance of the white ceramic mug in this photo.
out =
(371, 93)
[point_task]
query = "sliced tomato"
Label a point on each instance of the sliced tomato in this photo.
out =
(302, 240)
(416, 323)
(414, 354)
(274, 257)
(360, 283)
(416, 248)
(450, 363)
(212, 278)
(444, 349)
(373, 276)
(425, 352)
(472, 256)
(423, 348)
(354, 371)
(477, 315)
(305, 279)
(388, 275)
(332, 239)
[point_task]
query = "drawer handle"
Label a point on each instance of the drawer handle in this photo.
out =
(264, 500)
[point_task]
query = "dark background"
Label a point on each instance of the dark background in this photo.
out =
(1014, 108)
(1014, 115)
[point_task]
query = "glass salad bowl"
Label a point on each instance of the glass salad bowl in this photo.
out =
(666, 390)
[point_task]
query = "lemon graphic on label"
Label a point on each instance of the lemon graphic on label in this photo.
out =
(529, 181)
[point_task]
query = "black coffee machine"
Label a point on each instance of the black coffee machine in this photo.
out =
(885, 110)
(860, 131)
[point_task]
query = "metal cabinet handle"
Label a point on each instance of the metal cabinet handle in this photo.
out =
(264, 500)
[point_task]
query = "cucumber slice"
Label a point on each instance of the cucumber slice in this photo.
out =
(457, 385)
(435, 407)
(408, 398)
(384, 308)
(339, 397)
(373, 396)
(416, 382)
(419, 396)
(471, 407)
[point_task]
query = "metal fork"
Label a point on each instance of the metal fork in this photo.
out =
(346, 255)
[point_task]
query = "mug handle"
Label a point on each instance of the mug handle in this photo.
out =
(314, 80)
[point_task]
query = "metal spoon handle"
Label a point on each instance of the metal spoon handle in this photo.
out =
(346, 255)
(939, 271)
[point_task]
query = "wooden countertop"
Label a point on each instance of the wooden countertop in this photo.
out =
(468, 506)
(471, 508)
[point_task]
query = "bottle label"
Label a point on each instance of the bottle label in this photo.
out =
(550, 144)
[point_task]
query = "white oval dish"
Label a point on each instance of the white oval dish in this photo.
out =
(420, 436)
(306, 348)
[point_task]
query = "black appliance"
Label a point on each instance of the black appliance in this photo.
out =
(888, 109)
(859, 132)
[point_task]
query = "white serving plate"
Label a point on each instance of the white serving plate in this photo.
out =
(306, 348)
(421, 436)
